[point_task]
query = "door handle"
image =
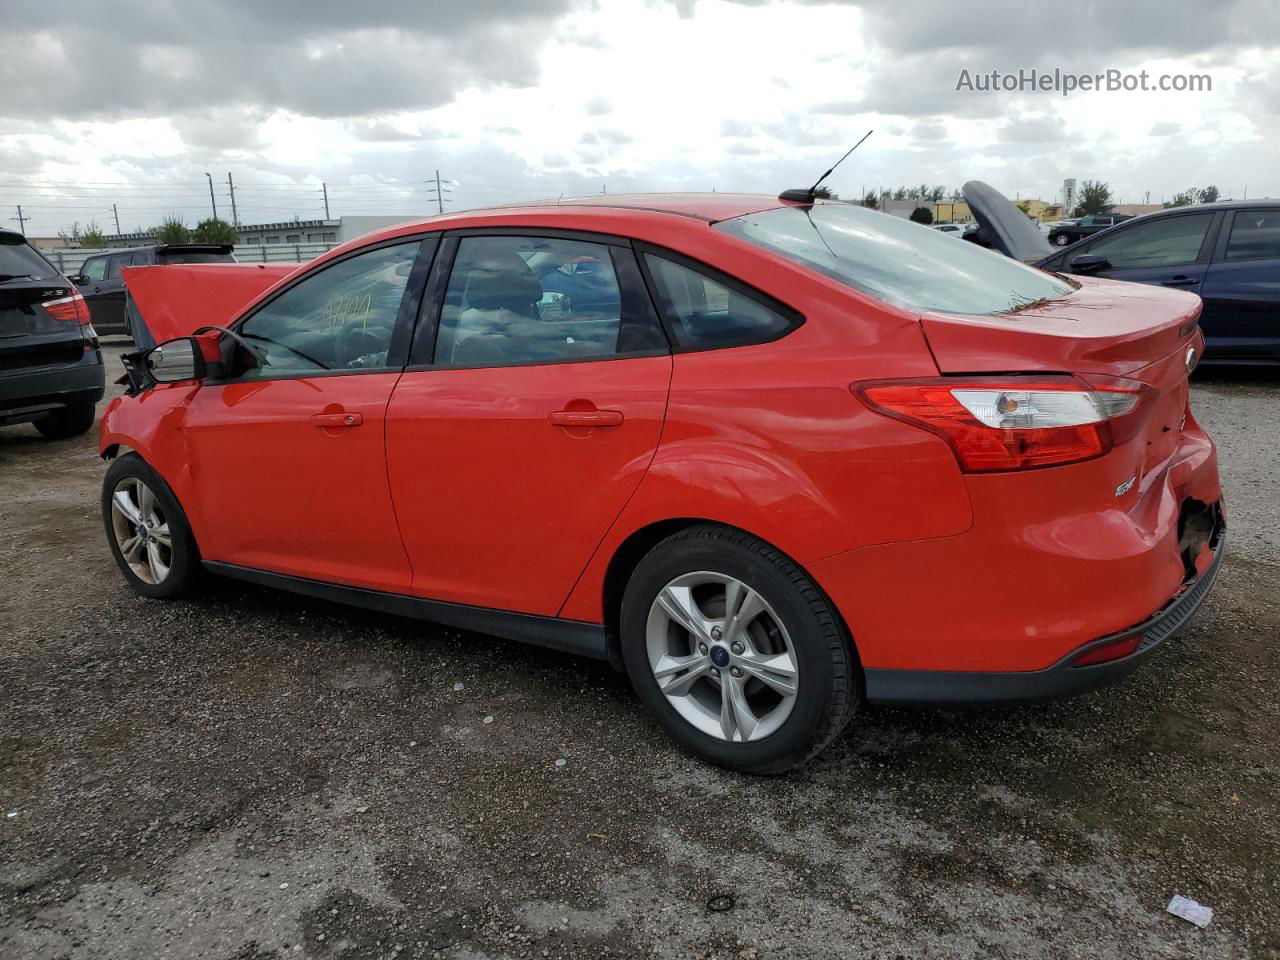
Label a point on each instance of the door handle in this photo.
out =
(1181, 282)
(586, 418)
(328, 420)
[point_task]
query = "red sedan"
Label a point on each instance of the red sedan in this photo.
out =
(769, 457)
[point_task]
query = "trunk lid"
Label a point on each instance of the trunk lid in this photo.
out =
(29, 335)
(1105, 327)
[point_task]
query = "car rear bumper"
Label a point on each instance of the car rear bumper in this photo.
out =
(1063, 679)
(29, 393)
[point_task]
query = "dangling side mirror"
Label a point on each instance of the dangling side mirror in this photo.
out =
(176, 360)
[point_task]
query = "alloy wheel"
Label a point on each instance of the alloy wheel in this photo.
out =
(141, 530)
(722, 657)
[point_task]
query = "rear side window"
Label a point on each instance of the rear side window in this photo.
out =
(1156, 243)
(896, 261)
(115, 263)
(704, 313)
(19, 261)
(540, 300)
(1255, 235)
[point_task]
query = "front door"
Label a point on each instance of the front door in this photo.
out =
(288, 459)
(1170, 251)
(514, 444)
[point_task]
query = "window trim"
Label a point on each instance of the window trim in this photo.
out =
(422, 355)
(795, 319)
(401, 332)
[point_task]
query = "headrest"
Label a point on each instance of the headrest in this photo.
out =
(501, 281)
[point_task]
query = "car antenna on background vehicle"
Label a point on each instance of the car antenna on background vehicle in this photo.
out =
(807, 196)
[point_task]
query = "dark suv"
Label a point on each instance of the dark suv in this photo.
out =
(1069, 233)
(51, 371)
(100, 282)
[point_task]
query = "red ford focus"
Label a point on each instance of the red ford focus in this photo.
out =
(770, 458)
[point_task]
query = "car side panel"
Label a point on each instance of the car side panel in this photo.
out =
(771, 440)
(1241, 320)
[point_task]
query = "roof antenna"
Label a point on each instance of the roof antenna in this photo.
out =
(807, 196)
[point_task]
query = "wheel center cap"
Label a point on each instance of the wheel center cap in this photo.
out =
(719, 656)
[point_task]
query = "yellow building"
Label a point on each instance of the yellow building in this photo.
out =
(947, 211)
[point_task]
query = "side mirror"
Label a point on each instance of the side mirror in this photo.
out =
(176, 360)
(1089, 263)
(76, 279)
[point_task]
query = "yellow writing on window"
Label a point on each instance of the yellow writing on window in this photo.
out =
(348, 309)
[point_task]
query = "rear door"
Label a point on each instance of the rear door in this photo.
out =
(528, 417)
(1172, 251)
(1242, 289)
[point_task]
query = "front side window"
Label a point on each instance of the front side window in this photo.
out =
(896, 261)
(539, 300)
(1157, 243)
(705, 313)
(341, 318)
(94, 269)
(1255, 235)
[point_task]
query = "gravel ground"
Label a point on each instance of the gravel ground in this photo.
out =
(253, 775)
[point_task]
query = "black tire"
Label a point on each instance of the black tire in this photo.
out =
(828, 685)
(70, 421)
(1060, 240)
(184, 568)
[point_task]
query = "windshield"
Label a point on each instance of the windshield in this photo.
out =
(897, 261)
(18, 261)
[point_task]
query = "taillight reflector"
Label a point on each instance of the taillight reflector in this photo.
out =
(70, 309)
(1106, 652)
(1011, 423)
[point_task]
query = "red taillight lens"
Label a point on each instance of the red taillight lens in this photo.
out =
(70, 309)
(1011, 423)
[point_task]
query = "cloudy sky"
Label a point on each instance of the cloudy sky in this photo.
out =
(132, 102)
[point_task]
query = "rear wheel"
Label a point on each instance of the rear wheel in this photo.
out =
(70, 421)
(147, 530)
(736, 651)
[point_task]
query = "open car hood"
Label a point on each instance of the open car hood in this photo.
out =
(1003, 226)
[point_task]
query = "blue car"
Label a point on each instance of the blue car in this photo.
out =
(1228, 253)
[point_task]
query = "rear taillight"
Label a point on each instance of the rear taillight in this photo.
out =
(1014, 422)
(70, 309)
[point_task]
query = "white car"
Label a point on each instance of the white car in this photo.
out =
(951, 229)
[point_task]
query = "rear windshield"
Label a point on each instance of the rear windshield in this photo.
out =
(896, 261)
(18, 261)
(180, 257)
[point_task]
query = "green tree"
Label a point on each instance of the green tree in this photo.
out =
(1095, 197)
(826, 193)
(922, 215)
(1209, 194)
(1183, 198)
(871, 201)
(173, 230)
(214, 230)
(91, 236)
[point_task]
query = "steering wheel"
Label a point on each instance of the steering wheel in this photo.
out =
(354, 342)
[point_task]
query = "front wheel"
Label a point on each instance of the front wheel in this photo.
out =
(1061, 240)
(147, 530)
(736, 651)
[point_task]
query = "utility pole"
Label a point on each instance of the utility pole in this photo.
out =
(212, 202)
(604, 189)
(22, 221)
(235, 217)
(325, 188)
(116, 213)
(440, 193)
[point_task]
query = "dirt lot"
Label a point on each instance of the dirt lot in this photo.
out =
(253, 775)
